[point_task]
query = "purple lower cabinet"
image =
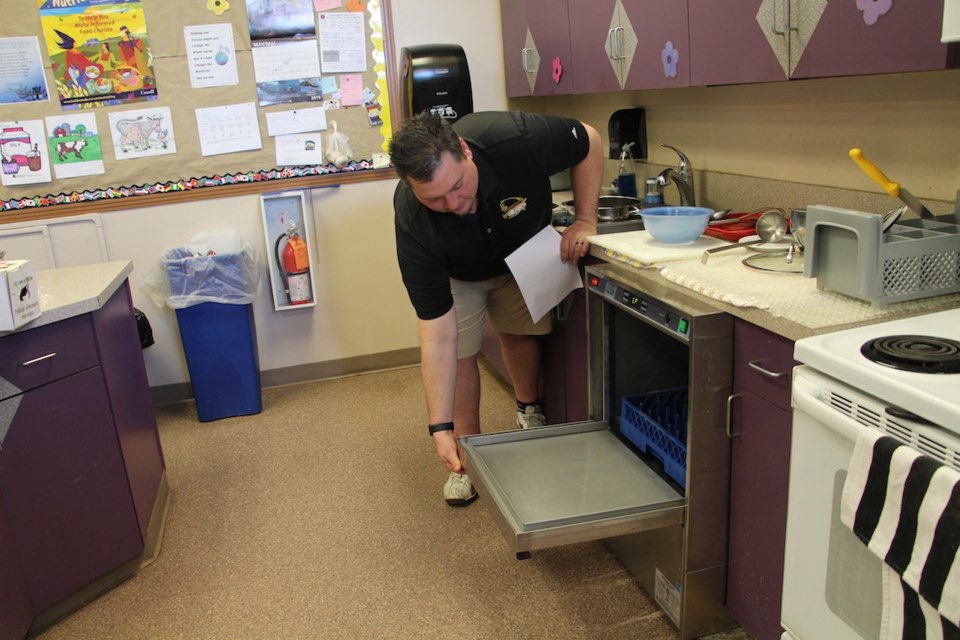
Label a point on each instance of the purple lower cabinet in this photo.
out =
(16, 612)
(759, 464)
(64, 488)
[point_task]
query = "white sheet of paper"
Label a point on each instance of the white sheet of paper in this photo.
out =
(342, 43)
(281, 123)
(211, 55)
(543, 278)
(286, 61)
(228, 128)
(299, 149)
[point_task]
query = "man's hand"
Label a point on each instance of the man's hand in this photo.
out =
(574, 244)
(446, 443)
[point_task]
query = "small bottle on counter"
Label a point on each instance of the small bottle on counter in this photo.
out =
(654, 194)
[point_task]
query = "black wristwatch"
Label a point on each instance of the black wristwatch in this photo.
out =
(440, 426)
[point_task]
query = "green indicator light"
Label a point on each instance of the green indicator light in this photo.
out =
(682, 325)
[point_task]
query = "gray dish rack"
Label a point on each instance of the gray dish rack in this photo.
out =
(848, 252)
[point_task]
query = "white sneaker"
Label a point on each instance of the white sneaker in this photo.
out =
(532, 417)
(458, 490)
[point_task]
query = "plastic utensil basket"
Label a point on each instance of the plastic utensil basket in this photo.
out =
(848, 252)
(657, 424)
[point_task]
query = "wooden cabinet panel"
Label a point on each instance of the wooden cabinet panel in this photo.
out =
(759, 465)
(907, 38)
(763, 364)
(760, 455)
(594, 20)
(56, 350)
(15, 609)
(129, 390)
(662, 29)
(769, 40)
(728, 44)
(64, 487)
(535, 33)
(513, 17)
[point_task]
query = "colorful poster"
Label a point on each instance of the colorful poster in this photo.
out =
(99, 52)
(142, 133)
(23, 153)
(74, 144)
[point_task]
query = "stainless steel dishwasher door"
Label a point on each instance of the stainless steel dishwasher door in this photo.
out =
(570, 483)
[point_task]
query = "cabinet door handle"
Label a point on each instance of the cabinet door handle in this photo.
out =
(779, 32)
(525, 59)
(766, 372)
(612, 41)
(730, 399)
(790, 26)
(616, 44)
(40, 359)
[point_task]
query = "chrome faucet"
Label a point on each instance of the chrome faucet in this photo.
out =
(682, 177)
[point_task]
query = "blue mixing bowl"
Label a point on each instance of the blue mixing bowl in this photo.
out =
(676, 225)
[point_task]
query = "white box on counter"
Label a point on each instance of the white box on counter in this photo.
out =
(19, 294)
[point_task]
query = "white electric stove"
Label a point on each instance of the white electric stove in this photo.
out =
(932, 395)
(832, 584)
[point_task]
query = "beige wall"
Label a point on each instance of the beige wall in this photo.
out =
(800, 131)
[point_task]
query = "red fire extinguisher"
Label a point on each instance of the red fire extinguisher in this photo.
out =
(294, 266)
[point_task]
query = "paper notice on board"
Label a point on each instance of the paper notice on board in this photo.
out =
(211, 55)
(21, 71)
(300, 149)
(342, 43)
(281, 123)
(228, 129)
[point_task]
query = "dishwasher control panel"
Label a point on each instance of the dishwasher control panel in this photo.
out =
(641, 305)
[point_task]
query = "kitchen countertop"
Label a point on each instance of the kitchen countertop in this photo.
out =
(787, 304)
(72, 291)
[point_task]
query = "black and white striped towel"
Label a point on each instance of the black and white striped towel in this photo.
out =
(905, 507)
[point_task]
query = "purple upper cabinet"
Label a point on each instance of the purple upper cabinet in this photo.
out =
(536, 47)
(550, 27)
(513, 17)
(629, 44)
(593, 45)
(729, 43)
(661, 59)
(850, 41)
(769, 40)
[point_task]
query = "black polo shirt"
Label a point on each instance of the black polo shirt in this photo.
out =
(515, 153)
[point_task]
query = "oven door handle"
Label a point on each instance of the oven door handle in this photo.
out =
(805, 395)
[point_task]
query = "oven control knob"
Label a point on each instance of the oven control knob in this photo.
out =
(666, 319)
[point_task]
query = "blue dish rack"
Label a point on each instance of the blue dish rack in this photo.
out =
(657, 424)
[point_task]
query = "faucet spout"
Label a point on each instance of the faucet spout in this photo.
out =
(682, 176)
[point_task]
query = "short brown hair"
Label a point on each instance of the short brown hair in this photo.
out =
(417, 145)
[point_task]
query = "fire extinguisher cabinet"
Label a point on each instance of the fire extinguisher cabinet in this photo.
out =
(220, 346)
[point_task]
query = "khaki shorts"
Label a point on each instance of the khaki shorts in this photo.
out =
(501, 298)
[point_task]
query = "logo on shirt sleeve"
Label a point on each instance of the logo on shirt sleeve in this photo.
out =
(512, 207)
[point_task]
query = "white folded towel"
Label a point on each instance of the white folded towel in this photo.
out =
(905, 507)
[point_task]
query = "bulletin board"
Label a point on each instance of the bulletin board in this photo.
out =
(187, 173)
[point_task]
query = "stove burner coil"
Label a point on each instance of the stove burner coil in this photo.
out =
(918, 354)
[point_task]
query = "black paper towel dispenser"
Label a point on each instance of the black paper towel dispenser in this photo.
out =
(436, 78)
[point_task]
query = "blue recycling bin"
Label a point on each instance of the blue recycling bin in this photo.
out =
(220, 345)
(211, 295)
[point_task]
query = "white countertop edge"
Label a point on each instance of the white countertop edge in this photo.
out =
(71, 291)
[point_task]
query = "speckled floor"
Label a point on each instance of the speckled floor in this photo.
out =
(322, 517)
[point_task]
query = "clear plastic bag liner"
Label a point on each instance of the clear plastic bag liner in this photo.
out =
(181, 278)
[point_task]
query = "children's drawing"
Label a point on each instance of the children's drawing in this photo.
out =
(23, 154)
(142, 133)
(74, 145)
